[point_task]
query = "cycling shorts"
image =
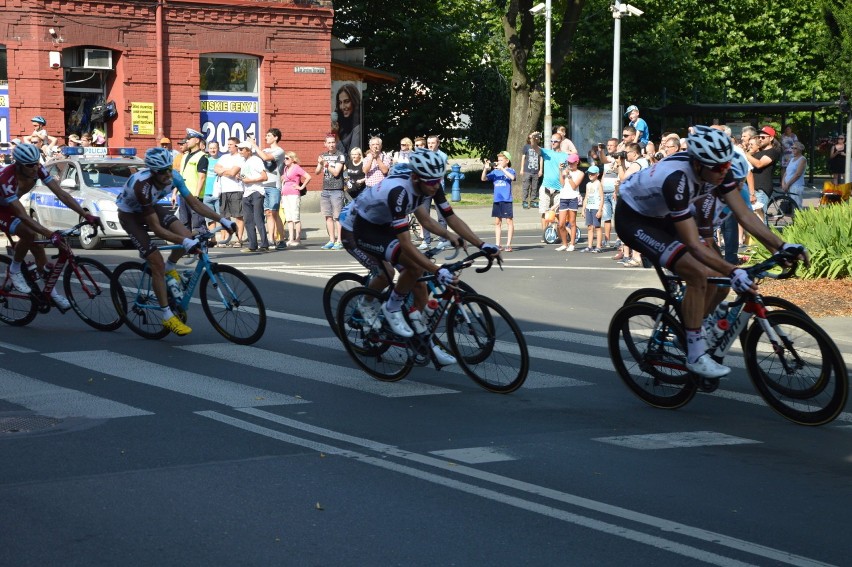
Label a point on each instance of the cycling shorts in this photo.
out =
(379, 241)
(136, 228)
(655, 238)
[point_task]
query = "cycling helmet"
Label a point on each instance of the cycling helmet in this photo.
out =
(709, 146)
(427, 164)
(26, 154)
(739, 166)
(39, 120)
(158, 159)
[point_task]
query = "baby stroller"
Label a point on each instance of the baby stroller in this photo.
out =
(551, 235)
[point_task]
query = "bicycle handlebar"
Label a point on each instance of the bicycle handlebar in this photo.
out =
(468, 262)
(787, 259)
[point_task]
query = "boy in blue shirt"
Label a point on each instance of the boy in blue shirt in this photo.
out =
(642, 134)
(502, 176)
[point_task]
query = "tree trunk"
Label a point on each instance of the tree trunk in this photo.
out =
(525, 108)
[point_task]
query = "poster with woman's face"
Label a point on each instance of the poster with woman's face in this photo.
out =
(347, 114)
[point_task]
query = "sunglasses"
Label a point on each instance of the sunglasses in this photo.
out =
(29, 165)
(162, 171)
(555, 141)
(286, 158)
(431, 182)
(720, 168)
(626, 135)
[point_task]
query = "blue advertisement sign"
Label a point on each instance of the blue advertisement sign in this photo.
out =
(224, 115)
(4, 114)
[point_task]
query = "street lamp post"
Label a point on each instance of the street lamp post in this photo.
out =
(548, 118)
(618, 10)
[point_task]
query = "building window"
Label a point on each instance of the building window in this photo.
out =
(228, 73)
(4, 75)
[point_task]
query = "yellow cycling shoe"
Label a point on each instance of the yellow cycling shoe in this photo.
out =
(177, 326)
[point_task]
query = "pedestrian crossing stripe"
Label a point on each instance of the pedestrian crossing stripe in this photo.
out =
(676, 440)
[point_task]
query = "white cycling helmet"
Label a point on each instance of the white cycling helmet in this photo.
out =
(739, 166)
(709, 146)
(427, 164)
(26, 154)
(158, 159)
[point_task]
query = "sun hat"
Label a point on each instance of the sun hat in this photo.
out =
(593, 169)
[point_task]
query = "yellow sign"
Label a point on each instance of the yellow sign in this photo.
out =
(142, 117)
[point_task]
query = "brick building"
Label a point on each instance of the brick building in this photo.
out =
(227, 68)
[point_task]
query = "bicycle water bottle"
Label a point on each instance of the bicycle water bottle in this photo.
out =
(719, 323)
(175, 288)
(431, 306)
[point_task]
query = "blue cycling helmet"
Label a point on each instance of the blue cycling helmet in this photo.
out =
(26, 154)
(709, 146)
(158, 159)
(739, 166)
(427, 164)
(39, 120)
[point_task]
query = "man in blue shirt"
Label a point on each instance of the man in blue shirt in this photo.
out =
(642, 134)
(551, 183)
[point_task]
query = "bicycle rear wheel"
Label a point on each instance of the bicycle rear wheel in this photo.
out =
(16, 308)
(338, 285)
(377, 351)
(551, 236)
(780, 212)
(488, 343)
(803, 378)
(233, 305)
(650, 356)
(86, 284)
(135, 301)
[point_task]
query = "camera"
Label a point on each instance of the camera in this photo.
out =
(620, 155)
(659, 155)
(601, 146)
(493, 165)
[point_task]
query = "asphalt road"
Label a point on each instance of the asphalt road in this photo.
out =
(191, 451)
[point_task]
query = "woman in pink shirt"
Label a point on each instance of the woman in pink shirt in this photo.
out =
(294, 183)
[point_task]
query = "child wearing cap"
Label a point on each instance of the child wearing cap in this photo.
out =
(592, 210)
(502, 176)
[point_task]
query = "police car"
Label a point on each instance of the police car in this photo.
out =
(93, 177)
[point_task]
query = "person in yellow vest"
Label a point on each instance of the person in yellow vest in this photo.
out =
(194, 172)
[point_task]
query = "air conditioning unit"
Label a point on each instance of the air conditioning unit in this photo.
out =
(97, 59)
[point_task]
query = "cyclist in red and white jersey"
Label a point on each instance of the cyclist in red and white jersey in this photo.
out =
(16, 180)
(653, 216)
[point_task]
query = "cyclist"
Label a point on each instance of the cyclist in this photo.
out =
(138, 212)
(19, 179)
(381, 230)
(654, 217)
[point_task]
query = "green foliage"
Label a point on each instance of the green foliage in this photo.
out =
(827, 233)
(489, 116)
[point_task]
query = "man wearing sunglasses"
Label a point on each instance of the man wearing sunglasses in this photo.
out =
(653, 217)
(381, 230)
(763, 161)
(16, 181)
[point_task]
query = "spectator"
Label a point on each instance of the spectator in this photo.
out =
(793, 180)
(231, 197)
(569, 201)
(433, 144)
(73, 141)
(628, 165)
(40, 130)
(788, 138)
(609, 165)
(39, 143)
(354, 173)
(86, 140)
(405, 149)
(548, 193)
(502, 177)
(532, 167)
(566, 145)
(253, 174)
(331, 163)
(376, 162)
(837, 160)
(419, 142)
(273, 162)
(593, 210)
(177, 162)
(763, 161)
(649, 152)
(295, 182)
(640, 127)
(98, 138)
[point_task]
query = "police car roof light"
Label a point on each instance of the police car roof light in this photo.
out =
(121, 151)
(72, 151)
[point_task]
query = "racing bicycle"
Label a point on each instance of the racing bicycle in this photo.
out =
(794, 365)
(230, 300)
(478, 331)
(780, 210)
(85, 281)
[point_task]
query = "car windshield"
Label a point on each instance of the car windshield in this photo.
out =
(108, 174)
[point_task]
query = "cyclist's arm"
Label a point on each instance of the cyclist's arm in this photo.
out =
(687, 231)
(153, 221)
(66, 199)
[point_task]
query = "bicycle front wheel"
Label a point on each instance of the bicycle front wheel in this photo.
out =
(135, 301)
(87, 288)
(16, 308)
(233, 305)
(488, 343)
(780, 212)
(338, 285)
(803, 376)
(649, 355)
(373, 347)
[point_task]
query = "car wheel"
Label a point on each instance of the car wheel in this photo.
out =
(88, 239)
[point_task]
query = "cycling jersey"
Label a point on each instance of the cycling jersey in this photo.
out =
(390, 202)
(139, 194)
(667, 188)
(9, 183)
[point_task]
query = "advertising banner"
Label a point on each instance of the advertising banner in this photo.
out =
(4, 114)
(223, 116)
(346, 114)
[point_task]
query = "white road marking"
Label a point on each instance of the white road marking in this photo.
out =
(475, 455)
(223, 392)
(16, 348)
(55, 401)
(674, 440)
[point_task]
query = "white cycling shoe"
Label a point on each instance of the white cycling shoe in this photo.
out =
(443, 357)
(370, 314)
(19, 282)
(60, 300)
(706, 367)
(396, 322)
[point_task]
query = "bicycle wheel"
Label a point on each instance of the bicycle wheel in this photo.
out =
(233, 305)
(780, 211)
(650, 356)
(488, 343)
(551, 236)
(135, 301)
(86, 284)
(414, 228)
(652, 295)
(334, 290)
(378, 352)
(803, 377)
(772, 303)
(16, 308)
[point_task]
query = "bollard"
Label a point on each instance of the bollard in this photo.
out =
(455, 176)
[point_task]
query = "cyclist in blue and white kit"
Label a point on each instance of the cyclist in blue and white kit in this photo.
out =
(653, 216)
(381, 230)
(138, 212)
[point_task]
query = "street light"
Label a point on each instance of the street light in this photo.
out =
(618, 10)
(548, 119)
